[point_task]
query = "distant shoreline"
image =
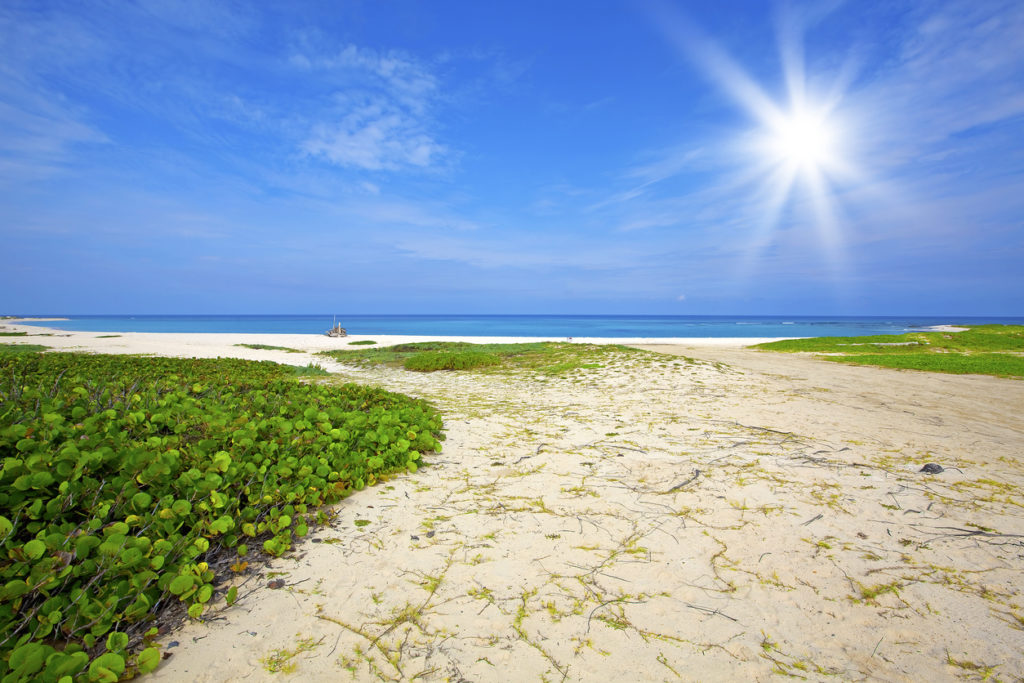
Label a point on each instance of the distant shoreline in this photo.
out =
(146, 342)
(479, 327)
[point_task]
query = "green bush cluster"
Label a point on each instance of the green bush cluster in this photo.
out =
(548, 358)
(15, 349)
(430, 361)
(125, 478)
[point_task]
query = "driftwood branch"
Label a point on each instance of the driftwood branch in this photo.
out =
(696, 473)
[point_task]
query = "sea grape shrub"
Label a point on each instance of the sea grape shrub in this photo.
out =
(123, 478)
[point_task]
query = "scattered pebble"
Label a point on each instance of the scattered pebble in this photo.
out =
(275, 584)
(932, 468)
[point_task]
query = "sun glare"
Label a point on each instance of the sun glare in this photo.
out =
(796, 158)
(802, 139)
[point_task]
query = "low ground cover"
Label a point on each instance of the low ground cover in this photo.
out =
(12, 349)
(985, 349)
(269, 347)
(129, 487)
(548, 358)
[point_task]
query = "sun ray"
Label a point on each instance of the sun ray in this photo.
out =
(799, 144)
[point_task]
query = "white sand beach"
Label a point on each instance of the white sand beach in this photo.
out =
(711, 513)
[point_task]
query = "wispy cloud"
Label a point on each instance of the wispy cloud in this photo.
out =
(381, 119)
(41, 133)
(959, 68)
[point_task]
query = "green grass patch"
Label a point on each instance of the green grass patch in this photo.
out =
(268, 347)
(998, 364)
(127, 481)
(550, 358)
(14, 349)
(987, 350)
(13, 334)
(362, 342)
(431, 361)
(107, 336)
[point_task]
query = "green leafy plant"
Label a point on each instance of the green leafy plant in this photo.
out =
(362, 342)
(11, 349)
(125, 479)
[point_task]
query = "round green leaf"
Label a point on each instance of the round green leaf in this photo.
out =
(34, 549)
(180, 584)
(117, 641)
(149, 660)
(106, 668)
(141, 501)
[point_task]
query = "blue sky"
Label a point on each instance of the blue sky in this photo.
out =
(192, 156)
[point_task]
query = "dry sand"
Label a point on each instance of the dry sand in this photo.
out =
(737, 517)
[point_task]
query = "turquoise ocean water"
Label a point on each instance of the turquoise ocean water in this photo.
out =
(522, 325)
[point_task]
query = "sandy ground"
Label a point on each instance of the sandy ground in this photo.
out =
(711, 513)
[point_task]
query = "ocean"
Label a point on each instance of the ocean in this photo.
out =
(523, 325)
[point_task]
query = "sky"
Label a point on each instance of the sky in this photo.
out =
(598, 157)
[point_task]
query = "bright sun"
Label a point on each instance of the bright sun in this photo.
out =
(802, 140)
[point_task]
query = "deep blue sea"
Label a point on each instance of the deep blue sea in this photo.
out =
(523, 325)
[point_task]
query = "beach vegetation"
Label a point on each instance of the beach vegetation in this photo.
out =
(983, 350)
(362, 342)
(270, 347)
(546, 358)
(432, 361)
(12, 349)
(870, 594)
(282, 660)
(983, 671)
(127, 484)
(13, 334)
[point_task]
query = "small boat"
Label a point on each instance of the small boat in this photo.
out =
(337, 330)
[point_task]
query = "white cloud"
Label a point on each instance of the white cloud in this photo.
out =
(381, 119)
(374, 135)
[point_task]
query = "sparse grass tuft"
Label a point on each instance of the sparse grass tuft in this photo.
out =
(269, 347)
